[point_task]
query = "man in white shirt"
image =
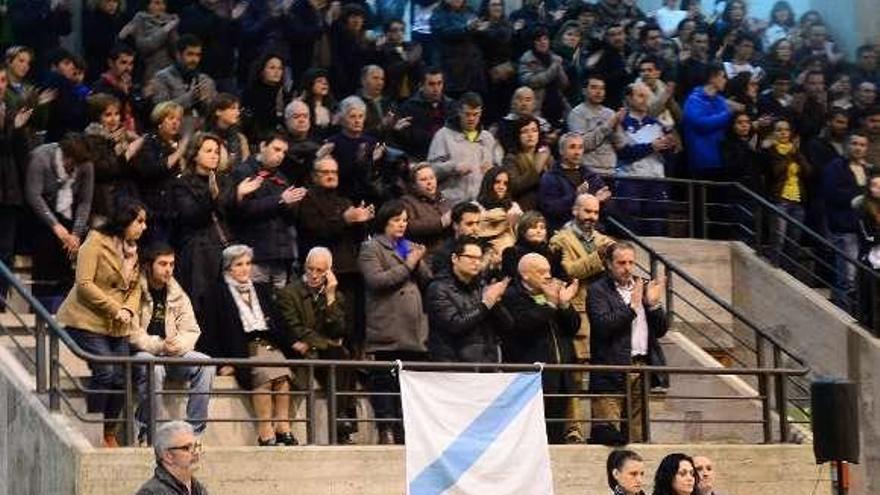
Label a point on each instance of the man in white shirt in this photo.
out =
(626, 319)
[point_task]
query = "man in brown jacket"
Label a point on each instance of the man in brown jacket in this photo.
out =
(581, 248)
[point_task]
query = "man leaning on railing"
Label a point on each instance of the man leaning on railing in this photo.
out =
(166, 326)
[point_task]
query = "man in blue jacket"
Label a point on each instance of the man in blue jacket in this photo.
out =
(564, 181)
(707, 116)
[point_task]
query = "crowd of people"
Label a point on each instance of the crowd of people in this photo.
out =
(293, 179)
(178, 457)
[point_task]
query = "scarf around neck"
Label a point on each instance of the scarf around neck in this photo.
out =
(251, 315)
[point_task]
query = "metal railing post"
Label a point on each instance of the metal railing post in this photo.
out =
(670, 295)
(153, 401)
(311, 407)
(692, 213)
(54, 375)
(781, 389)
(763, 385)
(332, 405)
(130, 433)
(704, 215)
(40, 357)
(627, 406)
(646, 406)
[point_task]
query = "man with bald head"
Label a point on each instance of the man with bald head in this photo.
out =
(544, 323)
(581, 248)
(706, 475)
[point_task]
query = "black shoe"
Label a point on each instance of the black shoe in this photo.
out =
(386, 436)
(266, 443)
(286, 438)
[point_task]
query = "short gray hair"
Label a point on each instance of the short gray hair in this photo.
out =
(288, 110)
(351, 103)
(165, 433)
(235, 252)
(320, 251)
(568, 136)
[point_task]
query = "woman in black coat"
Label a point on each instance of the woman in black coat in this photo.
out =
(155, 167)
(531, 237)
(199, 234)
(243, 323)
(264, 98)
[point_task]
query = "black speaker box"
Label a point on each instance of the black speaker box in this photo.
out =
(835, 419)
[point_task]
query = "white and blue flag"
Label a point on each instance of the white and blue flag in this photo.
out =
(475, 434)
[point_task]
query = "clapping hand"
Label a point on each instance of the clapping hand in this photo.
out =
(416, 253)
(655, 291)
(293, 195)
(493, 292)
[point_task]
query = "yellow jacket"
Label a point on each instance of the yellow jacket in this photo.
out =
(578, 263)
(100, 290)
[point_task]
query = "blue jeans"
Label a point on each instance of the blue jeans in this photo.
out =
(844, 271)
(104, 376)
(200, 379)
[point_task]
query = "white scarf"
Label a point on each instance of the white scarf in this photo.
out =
(64, 198)
(252, 318)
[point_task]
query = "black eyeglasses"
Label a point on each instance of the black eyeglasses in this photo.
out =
(190, 447)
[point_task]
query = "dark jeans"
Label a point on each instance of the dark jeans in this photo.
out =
(104, 376)
(385, 380)
(9, 216)
(643, 204)
(52, 267)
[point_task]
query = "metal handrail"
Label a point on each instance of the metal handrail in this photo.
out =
(673, 268)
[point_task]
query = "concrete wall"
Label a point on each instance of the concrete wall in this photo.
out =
(38, 451)
(368, 470)
(825, 337)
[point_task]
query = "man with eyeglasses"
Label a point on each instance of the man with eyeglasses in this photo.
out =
(465, 317)
(177, 457)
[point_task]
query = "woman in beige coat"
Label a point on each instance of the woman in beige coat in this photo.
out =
(98, 311)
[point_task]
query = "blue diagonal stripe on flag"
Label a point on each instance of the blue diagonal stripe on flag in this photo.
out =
(470, 445)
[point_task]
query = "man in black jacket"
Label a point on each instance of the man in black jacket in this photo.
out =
(464, 317)
(265, 219)
(544, 327)
(427, 112)
(626, 319)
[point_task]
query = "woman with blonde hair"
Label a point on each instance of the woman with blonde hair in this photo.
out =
(155, 167)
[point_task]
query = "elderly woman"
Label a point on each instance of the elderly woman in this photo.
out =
(58, 188)
(676, 475)
(428, 212)
(156, 165)
(243, 323)
(355, 152)
(98, 311)
(397, 327)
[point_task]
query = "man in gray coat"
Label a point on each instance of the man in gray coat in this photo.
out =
(182, 82)
(597, 123)
(461, 152)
